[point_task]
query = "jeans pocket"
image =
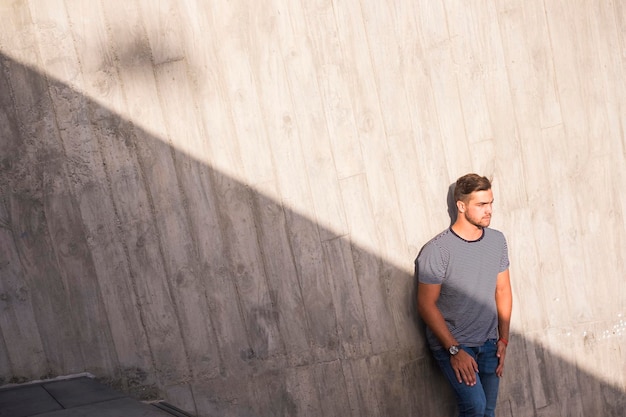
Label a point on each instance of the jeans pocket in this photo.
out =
(488, 361)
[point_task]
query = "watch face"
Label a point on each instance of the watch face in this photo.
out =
(453, 350)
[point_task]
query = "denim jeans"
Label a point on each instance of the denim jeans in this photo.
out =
(478, 400)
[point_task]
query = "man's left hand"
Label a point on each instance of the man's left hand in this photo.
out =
(501, 354)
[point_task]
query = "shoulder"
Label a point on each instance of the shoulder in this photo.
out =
(494, 234)
(436, 245)
(442, 239)
(495, 237)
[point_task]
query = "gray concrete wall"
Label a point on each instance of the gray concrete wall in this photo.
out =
(219, 203)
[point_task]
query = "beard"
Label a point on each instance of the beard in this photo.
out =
(480, 222)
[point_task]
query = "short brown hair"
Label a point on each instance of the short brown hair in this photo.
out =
(468, 184)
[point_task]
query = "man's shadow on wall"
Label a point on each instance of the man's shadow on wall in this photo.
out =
(398, 383)
(451, 204)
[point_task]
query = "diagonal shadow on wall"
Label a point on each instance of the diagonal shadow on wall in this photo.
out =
(126, 258)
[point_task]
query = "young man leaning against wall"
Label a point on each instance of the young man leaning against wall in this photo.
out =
(464, 297)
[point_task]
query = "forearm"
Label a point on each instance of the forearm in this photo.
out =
(504, 306)
(503, 329)
(437, 324)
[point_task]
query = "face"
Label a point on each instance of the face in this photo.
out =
(477, 209)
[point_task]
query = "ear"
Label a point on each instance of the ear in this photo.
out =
(460, 206)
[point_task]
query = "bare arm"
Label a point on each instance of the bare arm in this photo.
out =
(504, 306)
(463, 364)
(427, 296)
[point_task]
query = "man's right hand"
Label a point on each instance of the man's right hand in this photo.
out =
(465, 367)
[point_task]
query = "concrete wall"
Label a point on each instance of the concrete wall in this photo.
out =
(219, 202)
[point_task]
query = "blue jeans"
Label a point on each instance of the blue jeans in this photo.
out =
(480, 399)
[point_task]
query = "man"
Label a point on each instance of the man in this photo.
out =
(464, 297)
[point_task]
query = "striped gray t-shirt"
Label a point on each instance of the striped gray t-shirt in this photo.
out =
(467, 272)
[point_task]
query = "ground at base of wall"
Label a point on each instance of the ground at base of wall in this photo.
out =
(74, 397)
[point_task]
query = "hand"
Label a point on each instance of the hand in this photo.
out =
(501, 354)
(465, 367)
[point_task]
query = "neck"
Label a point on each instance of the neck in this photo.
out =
(467, 230)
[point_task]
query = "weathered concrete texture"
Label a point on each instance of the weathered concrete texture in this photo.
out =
(219, 203)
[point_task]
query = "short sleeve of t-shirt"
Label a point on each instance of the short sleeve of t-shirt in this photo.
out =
(431, 264)
(504, 261)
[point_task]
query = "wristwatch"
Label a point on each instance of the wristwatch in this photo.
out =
(454, 349)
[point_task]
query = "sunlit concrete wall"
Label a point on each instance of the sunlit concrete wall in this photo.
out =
(219, 202)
